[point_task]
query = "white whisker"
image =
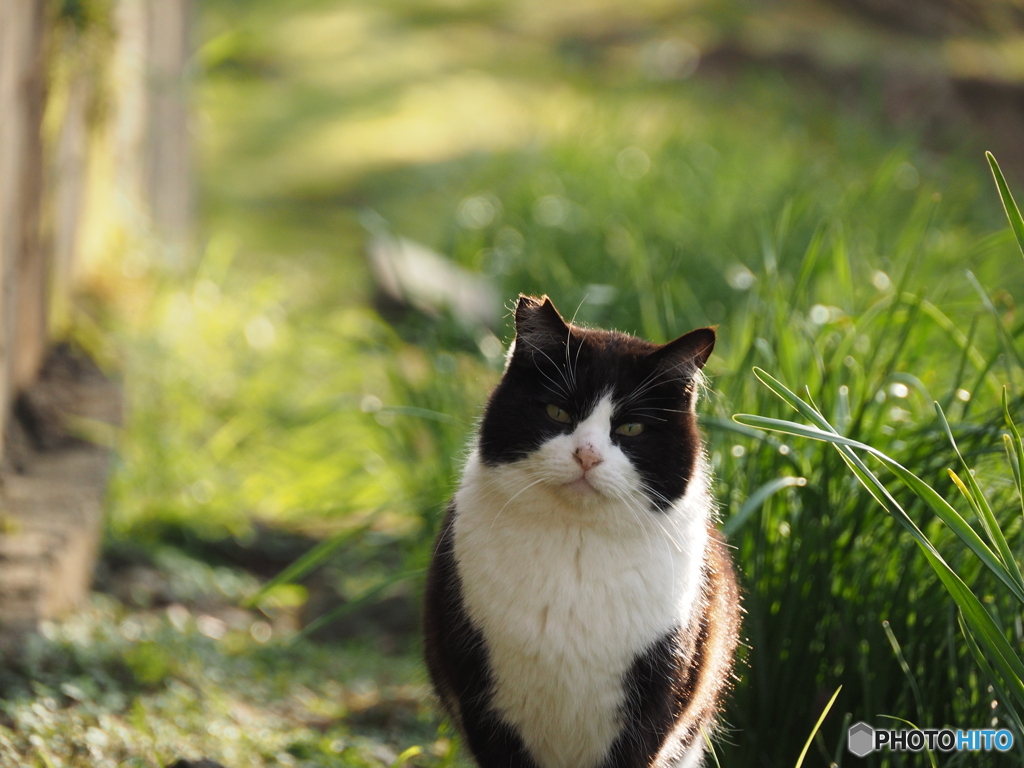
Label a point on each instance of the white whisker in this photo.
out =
(513, 498)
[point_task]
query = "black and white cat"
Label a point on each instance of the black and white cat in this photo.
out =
(581, 611)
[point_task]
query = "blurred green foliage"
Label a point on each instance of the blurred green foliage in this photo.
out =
(572, 150)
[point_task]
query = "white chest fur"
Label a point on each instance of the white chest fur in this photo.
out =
(568, 596)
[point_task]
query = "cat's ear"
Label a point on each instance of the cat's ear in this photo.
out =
(687, 354)
(538, 322)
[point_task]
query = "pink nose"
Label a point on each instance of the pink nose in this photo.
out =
(587, 457)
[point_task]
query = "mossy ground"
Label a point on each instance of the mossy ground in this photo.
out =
(123, 685)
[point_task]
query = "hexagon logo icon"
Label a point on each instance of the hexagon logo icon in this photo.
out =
(860, 739)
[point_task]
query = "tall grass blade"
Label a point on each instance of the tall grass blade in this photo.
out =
(791, 398)
(316, 556)
(990, 637)
(905, 668)
(843, 729)
(817, 725)
(843, 271)
(930, 753)
(734, 427)
(982, 624)
(986, 670)
(1005, 337)
(979, 619)
(969, 495)
(925, 492)
(973, 502)
(422, 413)
(757, 498)
(1012, 458)
(1017, 460)
(988, 517)
(957, 384)
(411, 752)
(842, 417)
(964, 342)
(364, 599)
(1009, 204)
(710, 746)
(807, 265)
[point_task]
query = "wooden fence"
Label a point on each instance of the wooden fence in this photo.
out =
(94, 154)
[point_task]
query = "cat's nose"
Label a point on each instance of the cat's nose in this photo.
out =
(586, 456)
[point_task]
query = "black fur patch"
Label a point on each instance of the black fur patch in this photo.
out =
(573, 368)
(658, 688)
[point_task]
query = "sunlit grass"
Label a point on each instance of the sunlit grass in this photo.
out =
(828, 248)
(118, 686)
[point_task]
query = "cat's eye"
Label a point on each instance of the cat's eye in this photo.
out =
(629, 429)
(558, 414)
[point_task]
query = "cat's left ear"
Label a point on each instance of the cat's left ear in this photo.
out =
(538, 321)
(687, 354)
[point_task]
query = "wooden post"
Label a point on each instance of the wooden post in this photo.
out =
(168, 156)
(67, 178)
(23, 273)
(151, 133)
(51, 487)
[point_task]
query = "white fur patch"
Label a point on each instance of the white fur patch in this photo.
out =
(569, 581)
(693, 757)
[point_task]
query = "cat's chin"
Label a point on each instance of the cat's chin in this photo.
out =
(580, 487)
(580, 492)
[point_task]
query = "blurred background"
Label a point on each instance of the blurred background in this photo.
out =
(259, 259)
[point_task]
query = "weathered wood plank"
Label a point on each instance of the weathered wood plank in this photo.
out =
(23, 272)
(51, 482)
(51, 493)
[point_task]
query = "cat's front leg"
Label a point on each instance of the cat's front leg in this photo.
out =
(655, 731)
(458, 662)
(494, 743)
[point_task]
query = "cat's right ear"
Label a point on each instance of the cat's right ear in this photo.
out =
(538, 322)
(687, 355)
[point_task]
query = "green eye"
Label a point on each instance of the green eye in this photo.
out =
(629, 429)
(556, 413)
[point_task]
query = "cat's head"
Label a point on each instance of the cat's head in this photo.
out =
(596, 415)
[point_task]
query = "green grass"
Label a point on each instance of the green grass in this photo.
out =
(130, 686)
(828, 246)
(995, 650)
